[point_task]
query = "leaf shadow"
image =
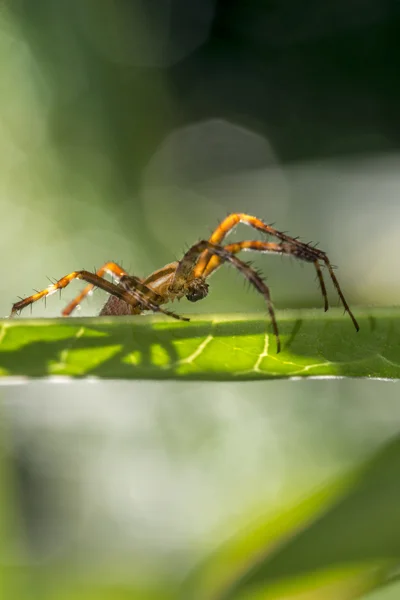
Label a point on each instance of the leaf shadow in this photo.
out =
(34, 357)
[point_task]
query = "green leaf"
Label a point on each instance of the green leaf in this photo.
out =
(338, 543)
(216, 347)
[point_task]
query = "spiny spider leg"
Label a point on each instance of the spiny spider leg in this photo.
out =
(304, 251)
(230, 222)
(131, 296)
(147, 298)
(186, 266)
(339, 291)
(272, 247)
(109, 267)
(322, 286)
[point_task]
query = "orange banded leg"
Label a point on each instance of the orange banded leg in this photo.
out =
(230, 222)
(272, 247)
(186, 265)
(303, 251)
(109, 267)
(131, 296)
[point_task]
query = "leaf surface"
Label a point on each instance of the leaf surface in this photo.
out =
(218, 347)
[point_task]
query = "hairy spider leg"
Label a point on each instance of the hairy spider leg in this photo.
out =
(157, 281)
(131, 296)
(186, 269)
(340, 293)
(130, 282)
(116, 307)
(156, 284)
(111, 268)
(290, 249)
(230, 222)
(272, 247)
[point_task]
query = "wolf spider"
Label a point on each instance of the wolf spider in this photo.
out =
(187, 277)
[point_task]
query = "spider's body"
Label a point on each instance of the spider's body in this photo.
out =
(159, 282)
(187, 277)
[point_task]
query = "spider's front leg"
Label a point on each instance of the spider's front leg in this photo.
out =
(294, 246)
(195, 288)
(185, 284)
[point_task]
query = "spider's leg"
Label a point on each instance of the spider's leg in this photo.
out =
(109, 267)
(230, 222)
(148, 299)
(305, 254)
(186, 267)
(131, 296)
(322, 286)
(340, 293)
(91, 278)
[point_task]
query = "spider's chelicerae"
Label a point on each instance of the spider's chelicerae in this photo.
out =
(131, 295)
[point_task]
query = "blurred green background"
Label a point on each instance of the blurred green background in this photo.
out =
(128, 130)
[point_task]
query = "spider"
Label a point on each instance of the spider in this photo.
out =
(131, 295)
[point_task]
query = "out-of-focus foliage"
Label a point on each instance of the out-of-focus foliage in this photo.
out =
(218, 347)
(326, 547)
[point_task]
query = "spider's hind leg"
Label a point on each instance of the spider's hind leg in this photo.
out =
(131, 296)
(91, 278)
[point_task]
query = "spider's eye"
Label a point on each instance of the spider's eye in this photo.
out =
(197, 290)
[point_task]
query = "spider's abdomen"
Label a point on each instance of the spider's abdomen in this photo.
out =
(114, 307)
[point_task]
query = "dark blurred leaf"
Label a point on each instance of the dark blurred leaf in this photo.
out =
(346, 548)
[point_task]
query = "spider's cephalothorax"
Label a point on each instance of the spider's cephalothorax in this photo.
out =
(187, 277)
